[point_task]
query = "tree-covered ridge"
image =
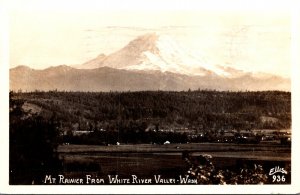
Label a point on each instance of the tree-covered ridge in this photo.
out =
(199, 110)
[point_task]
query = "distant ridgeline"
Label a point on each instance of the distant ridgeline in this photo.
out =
(185, 111)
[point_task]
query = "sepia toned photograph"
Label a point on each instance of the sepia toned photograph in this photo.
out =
(149, 96)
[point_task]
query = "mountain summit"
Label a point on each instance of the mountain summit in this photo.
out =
(157, 52)
(129, 55)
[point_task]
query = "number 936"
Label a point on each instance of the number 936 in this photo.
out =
(278, 178)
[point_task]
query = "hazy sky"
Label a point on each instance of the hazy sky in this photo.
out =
(248, 37)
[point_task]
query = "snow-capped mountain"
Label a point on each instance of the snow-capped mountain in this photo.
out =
(149, 62)
(158, 52)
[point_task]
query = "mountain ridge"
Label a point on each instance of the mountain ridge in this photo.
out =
(111, 79)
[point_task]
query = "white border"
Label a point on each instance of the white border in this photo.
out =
(241, 5)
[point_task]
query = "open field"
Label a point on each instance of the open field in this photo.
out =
(261, 151)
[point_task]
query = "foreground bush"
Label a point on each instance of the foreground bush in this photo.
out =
(202, 169)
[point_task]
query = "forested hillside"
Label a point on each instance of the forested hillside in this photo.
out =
(199, 110)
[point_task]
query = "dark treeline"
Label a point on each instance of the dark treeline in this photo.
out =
(135, 111)
(33, 145)
(112, 137)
